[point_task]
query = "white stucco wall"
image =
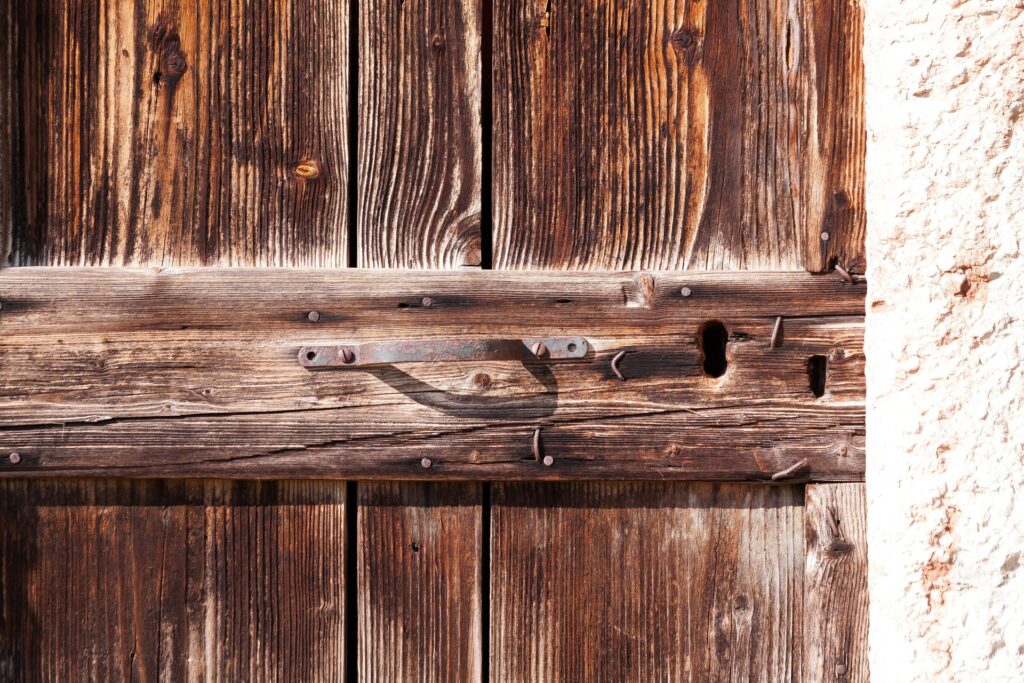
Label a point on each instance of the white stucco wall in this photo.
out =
(945, 339)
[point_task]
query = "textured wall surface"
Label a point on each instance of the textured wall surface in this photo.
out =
(945, 339)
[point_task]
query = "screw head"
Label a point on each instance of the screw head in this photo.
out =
(686, 291)
(347, 356)
(427, 302)
(313, 316)
(15, 458)
(548, 461)
(825, 237)
(539, 349)
(425, 463)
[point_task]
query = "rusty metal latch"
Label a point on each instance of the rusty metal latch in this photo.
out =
(438, 350)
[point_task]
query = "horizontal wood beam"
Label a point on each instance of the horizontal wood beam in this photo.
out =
(168, 373)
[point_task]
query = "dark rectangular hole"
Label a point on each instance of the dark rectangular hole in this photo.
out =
(351, 583)
(486, 139)
(485, 585)
(817, 369)
(353, 134)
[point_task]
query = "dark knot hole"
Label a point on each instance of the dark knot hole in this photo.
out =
(713, 340)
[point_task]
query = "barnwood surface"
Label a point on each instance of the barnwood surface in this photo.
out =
(419, 581)
(154, 132)
(419, 206)
(419, 128)
(115, 580)
(676, 134)
(835, 583)
(181, 373)
(646, 582)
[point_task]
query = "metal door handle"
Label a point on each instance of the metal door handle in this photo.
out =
(441, 350)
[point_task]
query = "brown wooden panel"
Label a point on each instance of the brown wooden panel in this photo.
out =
(116, 580)
(160, 132)
(196, 373)
(646, 582)
(419, 133)
(678, 134)
(419, 582)
(835, 585)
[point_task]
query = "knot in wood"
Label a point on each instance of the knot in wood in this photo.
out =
(307, 169)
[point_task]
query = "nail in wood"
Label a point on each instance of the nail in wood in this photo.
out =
(790, 471)
(615, 365)
(774, 342)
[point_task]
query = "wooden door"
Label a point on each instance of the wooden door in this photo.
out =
(183, 500)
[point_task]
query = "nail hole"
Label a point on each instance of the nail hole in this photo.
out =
(403, 305)
(817, 368)
(310, 355)
(712, 341)
(572, 348)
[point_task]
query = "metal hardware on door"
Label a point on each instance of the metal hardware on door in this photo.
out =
(438, 350)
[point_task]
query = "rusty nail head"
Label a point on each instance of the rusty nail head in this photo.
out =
(15, 458)
(427, 302)
(825, 237)
(539, 349)
(686, 291)
(347, 355)
(313, 316)
(425, 463)
(548, 461)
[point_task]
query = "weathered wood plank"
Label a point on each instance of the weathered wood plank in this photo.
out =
(120, 580)
(158, 132)
(419, 582)
(190, 373)
(419, 134)
(646, 582)
(835, 584)
(677, 134)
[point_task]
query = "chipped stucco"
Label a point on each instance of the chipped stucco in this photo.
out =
(945, 339)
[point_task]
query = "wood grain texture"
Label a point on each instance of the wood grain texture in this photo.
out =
(675, 134)
(159, 132)
(195, 373)
(419, 582)
(646, 582)
(119, 580)
(835, 584)
(419, 133)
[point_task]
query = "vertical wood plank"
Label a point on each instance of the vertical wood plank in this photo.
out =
(646, 582)
(180, 133)
(419, 133)
(835, 585)
(119, 580)
(677, 134)
(837, 136)
(419, 207)
(419, 582)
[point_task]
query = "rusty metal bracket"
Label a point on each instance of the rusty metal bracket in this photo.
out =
(441, 350)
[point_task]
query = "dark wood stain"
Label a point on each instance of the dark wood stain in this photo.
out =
(118, 580)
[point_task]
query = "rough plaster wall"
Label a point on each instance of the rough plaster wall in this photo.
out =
(945, 339)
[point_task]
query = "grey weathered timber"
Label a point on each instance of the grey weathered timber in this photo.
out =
(182, 373)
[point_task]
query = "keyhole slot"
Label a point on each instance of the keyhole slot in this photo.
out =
(713, 341)
(817, 371)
